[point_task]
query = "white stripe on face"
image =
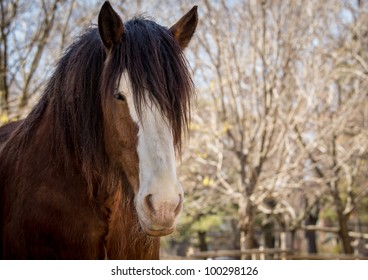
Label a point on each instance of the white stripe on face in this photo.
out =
(159, 198)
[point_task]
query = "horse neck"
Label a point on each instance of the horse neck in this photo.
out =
(125, 238)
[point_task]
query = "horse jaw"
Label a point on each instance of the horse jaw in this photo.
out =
(160, 196)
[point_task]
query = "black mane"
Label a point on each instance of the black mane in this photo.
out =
(73, 101)
(157, 70)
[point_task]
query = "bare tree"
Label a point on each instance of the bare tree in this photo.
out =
(337, 129)
(267, 67)
(33, 36)
(247, 63)
(8, 10)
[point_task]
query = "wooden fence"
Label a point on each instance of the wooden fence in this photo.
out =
(263, 254)
(283, 254)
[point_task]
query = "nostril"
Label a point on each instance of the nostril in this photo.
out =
(179, 206)
(148, 202)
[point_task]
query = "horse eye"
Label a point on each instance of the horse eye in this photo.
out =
(119, 96)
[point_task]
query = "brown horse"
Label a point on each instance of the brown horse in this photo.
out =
(90, 173)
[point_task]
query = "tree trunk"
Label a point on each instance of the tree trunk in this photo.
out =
(246, 226)
(3, 96)
(344, 233)
(268, 230)
(4, 89)
(236, 234)
(342, 220)
(203, 246)
(310, 235)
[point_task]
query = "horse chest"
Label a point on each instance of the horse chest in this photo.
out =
(125, 238)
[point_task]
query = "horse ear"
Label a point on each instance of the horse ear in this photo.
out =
(184, 29)
(110, 26)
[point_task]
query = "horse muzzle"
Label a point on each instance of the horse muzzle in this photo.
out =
(158, 217)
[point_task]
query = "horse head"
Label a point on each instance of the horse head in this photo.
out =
(146, 89)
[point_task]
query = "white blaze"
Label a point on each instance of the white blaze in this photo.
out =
(157, 170)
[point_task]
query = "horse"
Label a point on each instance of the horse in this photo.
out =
(90, 172)
(7, 129)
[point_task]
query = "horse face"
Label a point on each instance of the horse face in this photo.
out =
(144, 149)
(159, 196)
